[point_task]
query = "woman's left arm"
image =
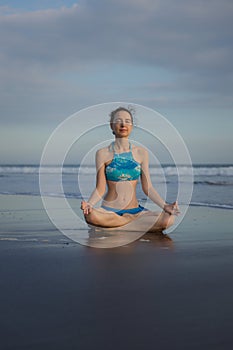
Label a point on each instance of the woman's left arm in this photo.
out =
(150, 191)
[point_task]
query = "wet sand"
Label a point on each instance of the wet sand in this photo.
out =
(160, 292)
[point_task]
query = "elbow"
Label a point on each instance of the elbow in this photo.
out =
(146, 189)
(101, 191)
(146, 184)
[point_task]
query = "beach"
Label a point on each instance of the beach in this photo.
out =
(125, 105)
(162, 291)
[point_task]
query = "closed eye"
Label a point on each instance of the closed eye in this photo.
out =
(126, 121)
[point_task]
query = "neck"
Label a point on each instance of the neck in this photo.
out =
(121, 144)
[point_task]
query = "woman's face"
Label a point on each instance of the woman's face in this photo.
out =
(122, 124)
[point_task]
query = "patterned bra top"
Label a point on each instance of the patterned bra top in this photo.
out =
(123, 167)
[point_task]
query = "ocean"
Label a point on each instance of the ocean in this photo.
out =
(212, 185)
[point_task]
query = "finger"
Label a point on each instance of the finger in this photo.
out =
(88, 210)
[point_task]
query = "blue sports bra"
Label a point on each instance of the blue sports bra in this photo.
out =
(123, 167)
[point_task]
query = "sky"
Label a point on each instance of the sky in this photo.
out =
(59, 57)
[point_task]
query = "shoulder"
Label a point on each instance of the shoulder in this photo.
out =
(104, 154)
(140, 154)
(103, 151)
(139, 150)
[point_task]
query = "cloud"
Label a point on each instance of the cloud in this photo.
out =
(39, 48)
(179, 34)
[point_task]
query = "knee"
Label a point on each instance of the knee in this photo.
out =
(91, 218)
(167, 221)
(170, 221)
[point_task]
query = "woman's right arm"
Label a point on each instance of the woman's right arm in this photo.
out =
(100, 188)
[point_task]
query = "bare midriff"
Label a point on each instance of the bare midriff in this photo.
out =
(121, 195)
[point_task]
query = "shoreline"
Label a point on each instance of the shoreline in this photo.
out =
(21, 214)
(152, 293)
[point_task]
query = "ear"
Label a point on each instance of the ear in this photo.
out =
(111, 126)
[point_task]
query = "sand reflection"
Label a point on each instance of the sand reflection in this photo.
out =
(100, 238)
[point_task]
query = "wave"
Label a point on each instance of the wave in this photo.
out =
(211, 205)
(37, 170)
(164, 170)
(214, 183)
(38, 194)
(195, 170)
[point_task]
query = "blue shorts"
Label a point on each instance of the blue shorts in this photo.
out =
(124, 211)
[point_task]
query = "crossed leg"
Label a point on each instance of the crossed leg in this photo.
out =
(104, 218)
(162, 220)
(158, 221)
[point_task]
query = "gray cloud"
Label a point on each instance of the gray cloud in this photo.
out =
(191, 38)
(178, 34)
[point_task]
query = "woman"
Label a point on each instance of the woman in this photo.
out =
(119, 166)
